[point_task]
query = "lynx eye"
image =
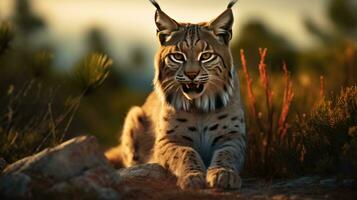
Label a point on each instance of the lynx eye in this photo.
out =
(206, 56)
(177, 57)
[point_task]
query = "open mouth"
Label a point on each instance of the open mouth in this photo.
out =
(192, 90)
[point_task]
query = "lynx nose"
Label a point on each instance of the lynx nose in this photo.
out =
(192, 74)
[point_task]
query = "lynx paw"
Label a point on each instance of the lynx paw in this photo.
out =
(192, 181)
(223, 178)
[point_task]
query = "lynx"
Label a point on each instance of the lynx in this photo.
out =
(193, 122)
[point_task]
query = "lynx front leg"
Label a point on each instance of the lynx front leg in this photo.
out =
(183, 161)
(227, 160)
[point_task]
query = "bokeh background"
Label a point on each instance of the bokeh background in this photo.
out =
(51, 39)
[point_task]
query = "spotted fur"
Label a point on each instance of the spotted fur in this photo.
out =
(193, 122)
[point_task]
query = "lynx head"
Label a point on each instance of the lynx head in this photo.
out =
(193, 66)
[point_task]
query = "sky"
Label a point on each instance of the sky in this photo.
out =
(128, 23)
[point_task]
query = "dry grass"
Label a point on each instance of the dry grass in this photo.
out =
(282, 145)
(270, 126)
(37, 116)
(32, 121)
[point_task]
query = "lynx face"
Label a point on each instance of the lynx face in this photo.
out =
(194, 64)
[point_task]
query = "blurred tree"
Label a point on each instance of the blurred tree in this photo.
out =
(255, 35)
(343, 17)
(343, 14)
(138, 58)
(96, 41)
(337, 55)
(32, 60)
(316, 31)
(6, 36)
(25, 19)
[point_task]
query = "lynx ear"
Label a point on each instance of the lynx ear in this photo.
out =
(165, 24)
(222, 25)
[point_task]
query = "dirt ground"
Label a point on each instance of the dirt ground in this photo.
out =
(255, 189)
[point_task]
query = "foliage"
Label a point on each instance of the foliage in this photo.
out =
(91, 72)
(322, 141)
(34, 113)
(26, 20)
(255, 35)
(6, 36)
(329, 136)
(343, 14)
(30, 120)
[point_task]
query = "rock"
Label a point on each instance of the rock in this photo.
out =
(97, 181)
(150, 170)
(64, 161)
(77, 166)
(15, 185)
(351, 183)
(77, 169)
(330, 182)
(300, 182)
(3, 164)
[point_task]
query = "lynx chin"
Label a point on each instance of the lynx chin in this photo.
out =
(193, 122)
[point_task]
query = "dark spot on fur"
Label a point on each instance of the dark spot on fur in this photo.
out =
(218, 103)
(205, 129)
(181, 120)
(136, 157)
(214, 127)
(169, 97)
(225, 127)
(187, 138)
(225, 88)
(234, 118)
(191, 128)
(136, 145)
(164, 143)
(232, 132)
(237, 126)
(217, 139)
(160, 75)
(241, 120)
(165, 119)
(141, 119)
(166, 165)
(170, 131)
(222, 116)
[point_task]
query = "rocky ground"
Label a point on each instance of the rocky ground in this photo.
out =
(77, 169)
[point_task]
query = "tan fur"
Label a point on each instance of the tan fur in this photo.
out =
(198, 133)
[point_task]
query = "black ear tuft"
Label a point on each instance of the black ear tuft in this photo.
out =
(231, 4)
(157, 6)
